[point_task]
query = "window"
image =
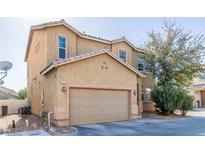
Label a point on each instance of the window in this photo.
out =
(61, 47)
(140, 63)
(148, 68)
(123, 55)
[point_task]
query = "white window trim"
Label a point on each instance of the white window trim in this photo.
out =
(125, 52)
(138, 66)
(66, 45)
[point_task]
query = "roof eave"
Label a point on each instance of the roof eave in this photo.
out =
(48, 69)
(28, 45)
(54, 65)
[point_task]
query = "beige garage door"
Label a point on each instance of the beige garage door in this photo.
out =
(94, 106)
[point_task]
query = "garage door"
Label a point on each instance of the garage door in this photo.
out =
(95, 106)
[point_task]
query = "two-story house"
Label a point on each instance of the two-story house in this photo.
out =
(84, 79)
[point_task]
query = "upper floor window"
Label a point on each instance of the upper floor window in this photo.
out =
(140, 63)
(61, 47)
(123, 55)
(148, 68)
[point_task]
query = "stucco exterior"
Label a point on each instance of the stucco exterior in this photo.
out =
(36, 62)
(116, 76)
(100, 72)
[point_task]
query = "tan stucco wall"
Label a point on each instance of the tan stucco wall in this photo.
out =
(197, 96)
(52, 42)
(123, 46)
(86, 45)
(50, 92)
(116, 75)
(35, 63)
(148, 82)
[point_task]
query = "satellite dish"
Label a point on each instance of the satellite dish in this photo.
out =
(5, 65)
(1, 82)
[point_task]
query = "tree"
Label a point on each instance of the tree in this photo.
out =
(174, 54)
(22, 94)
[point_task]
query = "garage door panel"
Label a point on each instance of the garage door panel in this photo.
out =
(95, 106)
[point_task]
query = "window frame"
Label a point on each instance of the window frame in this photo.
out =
(143, 64)
(122, 50)
(58, 47)
(150, 68)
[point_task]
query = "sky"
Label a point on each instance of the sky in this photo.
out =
(14, 36)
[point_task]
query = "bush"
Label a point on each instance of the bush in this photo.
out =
(165, 98)
(170, 97)
(185, 102)
(22, 94)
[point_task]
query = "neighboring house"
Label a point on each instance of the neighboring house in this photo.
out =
(84, 79)
(6, 93)
(197, 89)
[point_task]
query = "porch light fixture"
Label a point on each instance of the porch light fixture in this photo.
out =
(64, 89)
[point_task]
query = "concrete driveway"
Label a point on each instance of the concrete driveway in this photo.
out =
(193, 126)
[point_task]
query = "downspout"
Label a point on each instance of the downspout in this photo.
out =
(49, 119)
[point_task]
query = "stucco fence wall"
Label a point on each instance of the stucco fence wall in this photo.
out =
(149, 106)
(13, 105)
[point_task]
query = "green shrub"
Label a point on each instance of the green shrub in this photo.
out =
(185, 102)
(22, 94)
(165, 98)
(170, 97)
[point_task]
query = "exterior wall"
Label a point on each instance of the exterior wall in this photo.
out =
(116, 75)
(86, 45)
(13, 105)
(197, 96)
(35, 63)
(50, 92)
(148, 82)
(139, 100)
(149, 106)
(123, 46)
(52, 44)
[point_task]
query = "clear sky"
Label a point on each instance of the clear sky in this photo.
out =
(14, 36)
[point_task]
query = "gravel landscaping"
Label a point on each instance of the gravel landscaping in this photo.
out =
(30, 123)
(22, 123)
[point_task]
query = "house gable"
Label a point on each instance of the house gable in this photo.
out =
(90, 55)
